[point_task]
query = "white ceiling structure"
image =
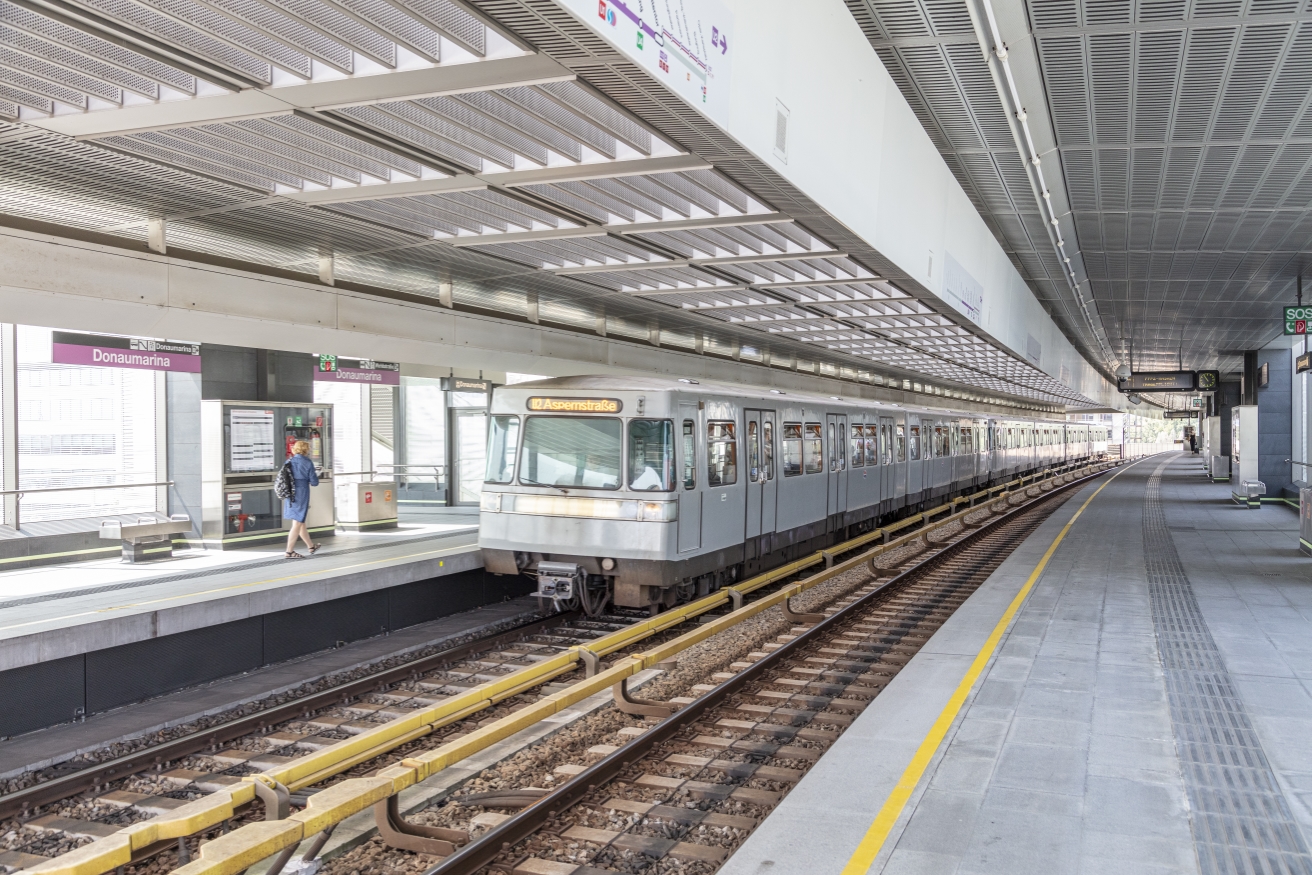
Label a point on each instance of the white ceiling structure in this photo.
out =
(490, 154)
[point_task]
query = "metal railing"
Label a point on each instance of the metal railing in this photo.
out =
(404, 477)
(20, 493)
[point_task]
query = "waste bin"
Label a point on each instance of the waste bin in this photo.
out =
(366, 506)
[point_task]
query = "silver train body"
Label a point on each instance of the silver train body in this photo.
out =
(651, 491)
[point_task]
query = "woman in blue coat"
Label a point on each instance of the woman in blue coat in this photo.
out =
(298, 506)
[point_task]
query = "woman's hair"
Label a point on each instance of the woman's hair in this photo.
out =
(300, 448)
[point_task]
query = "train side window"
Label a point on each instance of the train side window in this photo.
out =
(767, 431)
(753, 451)
(502, 444)
(967, 440)
(840, 457)
(721, 454)
(886, 443)
(651, 455)
(689, 455)
(858, 441)
(833, 455)
(901, 442)
(915, 443)
(813, 448)
(792, 449)
(872, 456)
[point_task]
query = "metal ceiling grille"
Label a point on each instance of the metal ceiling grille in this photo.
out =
(519, 194)
(1183, 130)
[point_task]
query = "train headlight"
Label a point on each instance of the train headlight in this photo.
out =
(490, 502)
(660, 511)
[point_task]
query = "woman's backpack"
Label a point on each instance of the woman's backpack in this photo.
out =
(285, 486)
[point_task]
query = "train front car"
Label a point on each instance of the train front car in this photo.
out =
(581, 489)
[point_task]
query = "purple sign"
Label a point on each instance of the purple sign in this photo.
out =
(124, 352)
(332, 369)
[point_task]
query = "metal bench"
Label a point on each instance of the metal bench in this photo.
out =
(147, 535)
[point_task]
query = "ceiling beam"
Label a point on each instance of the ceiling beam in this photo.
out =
(508, 179)
(332, 94)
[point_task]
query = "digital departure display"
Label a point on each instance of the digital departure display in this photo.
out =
(1159, 381)
(574, 405)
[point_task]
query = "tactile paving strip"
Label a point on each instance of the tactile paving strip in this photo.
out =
(1241, 820)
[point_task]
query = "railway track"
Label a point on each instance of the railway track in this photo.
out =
(689, 789)
(163, 781)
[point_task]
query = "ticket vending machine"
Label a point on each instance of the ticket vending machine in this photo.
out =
(243, 444)
(1245, 487)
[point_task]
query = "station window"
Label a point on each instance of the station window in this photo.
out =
(651, 455)
(915, 443)
(721, 454)
(502, 442)
(858, 440)
(792, 449)
(689, 455)
(813, 449)
(767, 448)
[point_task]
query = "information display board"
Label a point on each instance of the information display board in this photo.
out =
(1159, 381)
(250, 440)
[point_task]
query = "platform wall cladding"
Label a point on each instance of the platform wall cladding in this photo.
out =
(58, 691)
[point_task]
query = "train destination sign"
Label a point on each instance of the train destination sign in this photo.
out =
(575, 405)
(1297, 319)
(1159, 381)
(140, 353)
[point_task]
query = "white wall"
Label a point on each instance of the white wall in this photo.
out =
(857, 149)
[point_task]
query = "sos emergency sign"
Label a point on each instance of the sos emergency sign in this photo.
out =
(1297, 319)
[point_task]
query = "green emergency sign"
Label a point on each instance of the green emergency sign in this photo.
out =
(1297, 319)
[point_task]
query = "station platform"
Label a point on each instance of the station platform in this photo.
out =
(1145, 710)
(87, 637)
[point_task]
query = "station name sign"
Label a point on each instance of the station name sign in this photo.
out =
(1171, 381)
(332, 369)
(1303, 363)
(139, 353)
(1180, 414)
(575, 405)
(464, 384)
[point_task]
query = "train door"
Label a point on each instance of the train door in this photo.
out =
(761, 486)
(915, 463)
(836, 436)
(886, 467)
(690, 495)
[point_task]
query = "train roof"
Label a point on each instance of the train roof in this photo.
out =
(634, 383)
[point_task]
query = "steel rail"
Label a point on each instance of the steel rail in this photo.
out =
(21, 801)
(482, 851)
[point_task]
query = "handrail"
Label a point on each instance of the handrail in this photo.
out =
(236, 851)
(19, 493)
(84, 488)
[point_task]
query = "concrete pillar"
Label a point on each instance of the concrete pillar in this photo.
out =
(9, 419)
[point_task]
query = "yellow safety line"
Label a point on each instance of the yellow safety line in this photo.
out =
(188, 595)
(874, 839)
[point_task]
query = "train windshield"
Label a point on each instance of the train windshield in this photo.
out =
(651, 455)
(576, 451)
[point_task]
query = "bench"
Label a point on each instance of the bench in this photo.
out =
(146, 535)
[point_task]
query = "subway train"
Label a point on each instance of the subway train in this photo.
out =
(646, 492)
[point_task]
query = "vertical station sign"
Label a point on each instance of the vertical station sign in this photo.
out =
(332, 369)
(69, 348)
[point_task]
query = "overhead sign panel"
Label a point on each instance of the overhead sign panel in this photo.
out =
(1180, 414)
(140, 353)
(1303, 363)
(332, 369)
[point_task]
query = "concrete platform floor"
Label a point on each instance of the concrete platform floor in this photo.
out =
(1148, 710)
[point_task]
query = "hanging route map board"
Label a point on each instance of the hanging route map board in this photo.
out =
(687, 45)
(250, 441)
